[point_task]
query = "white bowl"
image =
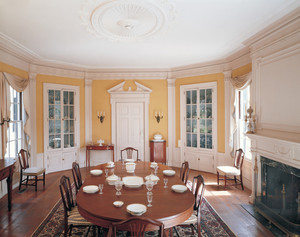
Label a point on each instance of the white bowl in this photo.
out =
(129, 160)
(153, 178)
(118, 203)
(136, 209)
(112, 179)
(130, 167)
(169, 172)
(96, 172)
(133, 181)
(157, 137)
(90, 189)
(179, 188)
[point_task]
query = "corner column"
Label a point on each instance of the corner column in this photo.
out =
(171, 121)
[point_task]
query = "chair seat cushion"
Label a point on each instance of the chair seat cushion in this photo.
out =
(75, 218)
(33, 171)
(191, 220)
(228, 170)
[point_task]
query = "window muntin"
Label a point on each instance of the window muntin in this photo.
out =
(15, 130)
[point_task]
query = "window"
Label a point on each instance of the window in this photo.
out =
(243, 103)
(15, 130)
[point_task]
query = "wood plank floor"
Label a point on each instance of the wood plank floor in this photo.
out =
(30, 207)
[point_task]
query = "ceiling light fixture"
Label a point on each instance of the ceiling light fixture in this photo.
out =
(127, 20)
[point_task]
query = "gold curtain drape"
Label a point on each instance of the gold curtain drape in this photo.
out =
(19, 84)
(238, 83)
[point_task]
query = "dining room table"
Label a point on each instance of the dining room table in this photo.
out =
(168, 206)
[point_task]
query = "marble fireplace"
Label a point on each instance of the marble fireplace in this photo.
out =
(276, 178)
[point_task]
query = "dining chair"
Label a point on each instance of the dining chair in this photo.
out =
(184, 172)
(32, 173)
(231, 172)
(71, 215)
(198, 188)
(76, 176)
(129, 152)
(136, 226)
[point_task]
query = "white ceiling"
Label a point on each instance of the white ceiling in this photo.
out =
(204, 30)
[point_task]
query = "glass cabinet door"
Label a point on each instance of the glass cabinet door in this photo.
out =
(199, 118)
(61, 119)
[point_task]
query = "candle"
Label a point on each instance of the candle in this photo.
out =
(155, 114)
(104, 113)
(98, 113)
(254, 110)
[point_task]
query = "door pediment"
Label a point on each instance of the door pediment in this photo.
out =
(119, 89)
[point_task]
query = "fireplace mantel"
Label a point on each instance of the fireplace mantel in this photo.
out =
(283, 147)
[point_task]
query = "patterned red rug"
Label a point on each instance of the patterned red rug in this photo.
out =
(211, 224)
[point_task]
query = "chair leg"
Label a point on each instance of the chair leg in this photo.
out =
(225, 178)
(44, 180)
(21, 178)
(36, 181)
(241, 178)
(218, 177)
(176, 231)
(27, 181)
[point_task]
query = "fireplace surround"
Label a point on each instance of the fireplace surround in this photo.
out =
(276, 178)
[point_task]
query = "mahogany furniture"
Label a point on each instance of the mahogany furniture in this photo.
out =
(97, 147)
(184, 172)
(71, 214)
(27, 171)
(235, 170)
(198, 188)
(168, 207)
(76, 176)
(136, 226)
(129, 151)
(158, 151)
(6, 171)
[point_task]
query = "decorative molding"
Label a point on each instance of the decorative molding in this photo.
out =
(227, 75)
(9, 59)
(171, 82)
(128, 21)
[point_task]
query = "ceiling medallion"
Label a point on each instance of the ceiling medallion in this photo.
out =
(126, 20)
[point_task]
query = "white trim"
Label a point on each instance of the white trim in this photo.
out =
(88, 111)
(171, 121)
(142, 94)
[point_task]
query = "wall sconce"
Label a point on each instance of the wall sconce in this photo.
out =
(101, 116)
(159, 116)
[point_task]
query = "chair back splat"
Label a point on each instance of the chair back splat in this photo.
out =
(129, 152)
(76, 175)
(184, 172)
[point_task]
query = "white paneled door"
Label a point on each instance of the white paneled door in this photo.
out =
(130, 127)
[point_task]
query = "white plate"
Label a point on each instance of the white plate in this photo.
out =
(96, 172)
(133, 181)
(154, 178)
(90, 189)
(178, 188)
(136, 209)
(118, 203)
(169, 172)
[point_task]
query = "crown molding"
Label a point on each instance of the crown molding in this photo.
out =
(9, 59)
(279, 30)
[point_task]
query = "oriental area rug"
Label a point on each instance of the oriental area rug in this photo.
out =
(211, 225)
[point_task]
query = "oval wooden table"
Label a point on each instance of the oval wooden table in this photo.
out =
(169, 207)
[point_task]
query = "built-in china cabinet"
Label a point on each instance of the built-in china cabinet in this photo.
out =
(199, 125)
(61, 126)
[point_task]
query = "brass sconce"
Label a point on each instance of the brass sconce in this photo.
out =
(101, 116)
(159, 116)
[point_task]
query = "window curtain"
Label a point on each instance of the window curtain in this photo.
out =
(238, 83)
(19, 84)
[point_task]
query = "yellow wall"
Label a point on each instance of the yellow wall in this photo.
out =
(13, 70)
(40, 80)
(219, 78)
(101, 102)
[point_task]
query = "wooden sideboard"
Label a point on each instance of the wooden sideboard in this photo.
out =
(97, 147)
(6, 171)
(158, 151)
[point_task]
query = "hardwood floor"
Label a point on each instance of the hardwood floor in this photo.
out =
(30, 207)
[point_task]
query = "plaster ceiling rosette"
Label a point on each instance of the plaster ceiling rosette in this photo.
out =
(127, 20)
